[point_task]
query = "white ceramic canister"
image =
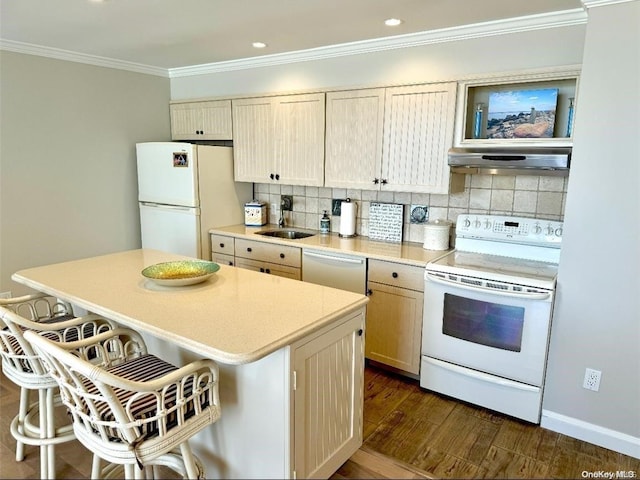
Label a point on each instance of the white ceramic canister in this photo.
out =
(436, 235)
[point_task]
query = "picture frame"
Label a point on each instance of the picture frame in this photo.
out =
(522, 114)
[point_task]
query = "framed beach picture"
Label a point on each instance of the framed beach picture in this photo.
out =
(522, 113)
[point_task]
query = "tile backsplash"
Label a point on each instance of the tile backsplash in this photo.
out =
(520, 195)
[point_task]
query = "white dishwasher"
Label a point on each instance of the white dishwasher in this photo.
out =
(335, 270)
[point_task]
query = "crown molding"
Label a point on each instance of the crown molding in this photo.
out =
(59, 54)
(602, 3)
(466, 32)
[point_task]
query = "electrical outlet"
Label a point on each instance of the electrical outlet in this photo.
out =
(592, 379)
(5, 294)
(336, 206)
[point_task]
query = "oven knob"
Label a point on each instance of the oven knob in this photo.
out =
(487, 224)
(559, 232)
(467, 222)
(477, 224)
(550, 230)
(537, 229)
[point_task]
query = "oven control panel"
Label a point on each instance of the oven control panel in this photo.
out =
(530, 231)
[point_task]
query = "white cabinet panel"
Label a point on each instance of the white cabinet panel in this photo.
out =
(418, 132)
(328, 399)
(279, 139)
(354, 138)
(201, 120)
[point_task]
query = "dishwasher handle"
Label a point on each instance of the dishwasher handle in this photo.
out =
(322, 256)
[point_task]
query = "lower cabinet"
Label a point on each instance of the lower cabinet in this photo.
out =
(394, 315)
(223, 249)
(328, 384)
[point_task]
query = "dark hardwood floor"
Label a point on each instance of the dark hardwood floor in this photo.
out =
(408, 433)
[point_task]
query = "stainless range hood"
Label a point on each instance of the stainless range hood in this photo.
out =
(511, 161)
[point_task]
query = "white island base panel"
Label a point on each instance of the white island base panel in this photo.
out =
(296, 413)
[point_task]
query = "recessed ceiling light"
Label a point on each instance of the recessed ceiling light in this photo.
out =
(392, 22)
(259, 44)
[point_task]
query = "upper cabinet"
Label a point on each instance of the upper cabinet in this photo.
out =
(354, 138)
(209, 120)
(527, 110)
(393, 139)
(418, 133)
(279, 139)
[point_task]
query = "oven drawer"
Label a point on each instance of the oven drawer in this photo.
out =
(396, 274)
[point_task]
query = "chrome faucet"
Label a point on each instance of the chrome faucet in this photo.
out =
(281, 221)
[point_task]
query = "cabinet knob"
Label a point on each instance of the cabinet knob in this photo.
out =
(268, 270)
(282, 255)
(272, 176)
(277, 176)
(383, 181)
(394, 275)
(222, 245)
(230, 263)
(249, 249)
(262, 269)
(376, 181)
(360, 332)
(369, 292)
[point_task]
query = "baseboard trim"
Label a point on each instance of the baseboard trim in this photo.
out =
(588, 432)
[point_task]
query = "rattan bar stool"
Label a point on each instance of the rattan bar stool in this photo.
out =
(35, 422)
(130, 407)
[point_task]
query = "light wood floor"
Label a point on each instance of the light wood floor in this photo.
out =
(408, 433)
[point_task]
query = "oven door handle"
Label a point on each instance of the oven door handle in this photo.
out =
(527, 295)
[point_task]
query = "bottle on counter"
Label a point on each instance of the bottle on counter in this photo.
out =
(325, 223)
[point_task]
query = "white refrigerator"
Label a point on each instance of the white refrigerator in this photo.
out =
(183, 191)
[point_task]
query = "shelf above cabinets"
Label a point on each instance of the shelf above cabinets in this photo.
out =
(526, 110)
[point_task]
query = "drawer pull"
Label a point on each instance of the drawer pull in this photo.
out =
(282, 255)
(221, 245)
(394, 274)
(268, 270)
(249, 249)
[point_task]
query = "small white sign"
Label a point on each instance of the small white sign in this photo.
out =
(385, 221)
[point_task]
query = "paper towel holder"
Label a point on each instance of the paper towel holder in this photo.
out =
(350, 235)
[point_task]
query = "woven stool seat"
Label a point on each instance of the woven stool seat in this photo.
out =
(130, 407)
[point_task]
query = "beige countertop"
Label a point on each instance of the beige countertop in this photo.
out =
(405, 252)
(237, 316)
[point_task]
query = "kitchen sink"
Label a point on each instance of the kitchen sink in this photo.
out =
(285, 233)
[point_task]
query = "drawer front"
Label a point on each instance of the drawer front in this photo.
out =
(268, 252)
(397, 274)
(222, 259)
(270, 268)
(222, 244)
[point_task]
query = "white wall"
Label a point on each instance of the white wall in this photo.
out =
(436, 62)
(597, 318)
(68, 184)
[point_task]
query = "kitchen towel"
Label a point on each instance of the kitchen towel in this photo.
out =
(348, 210)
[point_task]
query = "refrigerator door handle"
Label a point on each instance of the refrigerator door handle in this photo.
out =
(167, 207)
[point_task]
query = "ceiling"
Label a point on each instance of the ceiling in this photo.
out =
(169, 34)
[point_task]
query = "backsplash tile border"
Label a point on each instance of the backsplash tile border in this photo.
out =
(519, 195)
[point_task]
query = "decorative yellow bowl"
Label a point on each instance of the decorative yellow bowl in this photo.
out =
(179, 273)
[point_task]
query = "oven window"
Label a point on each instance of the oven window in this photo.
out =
(486, 323)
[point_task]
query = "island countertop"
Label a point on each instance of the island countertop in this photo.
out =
(235, 317)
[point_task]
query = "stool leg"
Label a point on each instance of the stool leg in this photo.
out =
(22, 412)
(96, 473)
(51, 433)
(42, 425)
(189, 461)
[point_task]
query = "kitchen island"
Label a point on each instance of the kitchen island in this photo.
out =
(291, 356)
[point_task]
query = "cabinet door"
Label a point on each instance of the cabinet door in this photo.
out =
(328, 398)
(299, 139)
(270, 268)
(353, 151)
(201, 120)
(418, 132)
(394, 326)
(253, 139)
